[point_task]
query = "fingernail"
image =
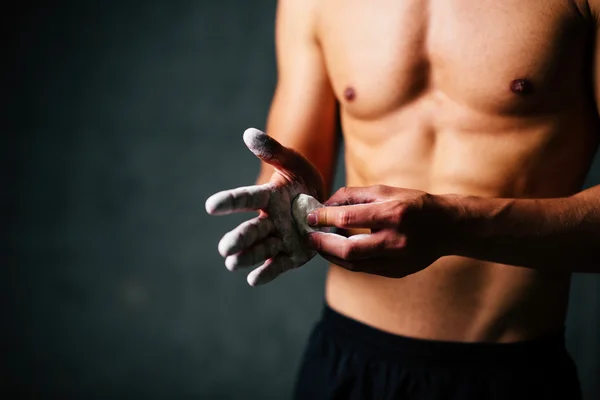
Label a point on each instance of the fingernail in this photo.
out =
(311, 219)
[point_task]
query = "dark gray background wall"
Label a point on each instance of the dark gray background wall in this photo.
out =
(122, 118)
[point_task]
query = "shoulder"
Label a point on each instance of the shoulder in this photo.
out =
(303, 10)
(298, 15)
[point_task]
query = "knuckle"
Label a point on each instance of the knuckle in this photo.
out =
(255, 201)
(341, 191)
(229, 200)
(344, 218)
(237, 238)
(380, 189)
(315, 242)
(342, 196)
(253, 232)
(348, 252)
(396, 213)
(381, 245)
(401, 241)
(324, 216)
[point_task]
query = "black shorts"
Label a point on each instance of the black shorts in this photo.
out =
(346, 359)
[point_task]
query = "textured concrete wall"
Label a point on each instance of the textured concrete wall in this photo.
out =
(124, 118)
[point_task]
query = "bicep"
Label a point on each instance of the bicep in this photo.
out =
(303, 110)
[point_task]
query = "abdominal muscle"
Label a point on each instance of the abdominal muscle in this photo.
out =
(457, 298)
(454, 299)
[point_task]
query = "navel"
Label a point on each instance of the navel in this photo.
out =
(521, 86)
(349, 93)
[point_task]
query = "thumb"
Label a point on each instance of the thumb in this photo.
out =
(287, 161)
(271, 151)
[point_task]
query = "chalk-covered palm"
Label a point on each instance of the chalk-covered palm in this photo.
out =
(271, 237)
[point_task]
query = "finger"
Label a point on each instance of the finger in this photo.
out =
(270, 270)
(342, 232)
(260, 252)
(245, 235)
(357, 247)
(271, 151)
(381, 266)
(287, 161)
(246, 198)
(373, 215)
(355, 266)
(357, 195)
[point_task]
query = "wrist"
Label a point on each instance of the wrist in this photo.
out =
(471, 219)
(450, 221)
(541, 233)
(480, 222)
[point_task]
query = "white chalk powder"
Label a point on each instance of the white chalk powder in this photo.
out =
(302, 206)
(276, 237)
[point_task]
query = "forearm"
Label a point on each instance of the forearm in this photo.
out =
(561, 234)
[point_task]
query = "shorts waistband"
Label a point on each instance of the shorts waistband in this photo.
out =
(372, 341)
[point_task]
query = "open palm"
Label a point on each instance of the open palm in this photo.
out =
(272, 237)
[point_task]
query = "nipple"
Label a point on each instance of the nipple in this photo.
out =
(521, 86)
(349, 93)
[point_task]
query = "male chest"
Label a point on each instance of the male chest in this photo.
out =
(499, 57)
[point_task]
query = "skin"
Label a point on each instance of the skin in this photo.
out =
(271, 238)
(469, 128)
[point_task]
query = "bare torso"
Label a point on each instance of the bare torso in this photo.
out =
(489, 98)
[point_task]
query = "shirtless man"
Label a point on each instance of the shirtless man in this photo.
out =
(469, 128)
